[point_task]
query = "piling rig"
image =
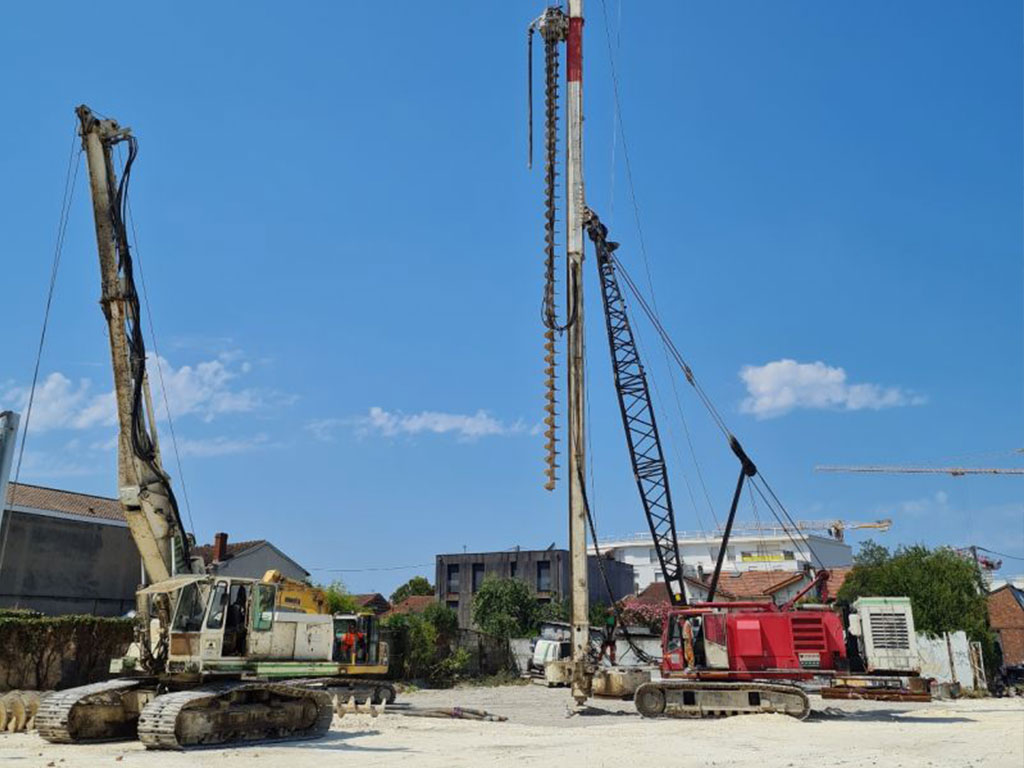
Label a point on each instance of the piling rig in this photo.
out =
(717, 658)
(216, 659)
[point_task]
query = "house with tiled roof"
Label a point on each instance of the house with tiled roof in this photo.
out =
(373, 601)
(247, 559)
(412, 604)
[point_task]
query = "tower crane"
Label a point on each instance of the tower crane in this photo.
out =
(908, 470)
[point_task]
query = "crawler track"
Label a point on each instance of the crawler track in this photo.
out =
(241, 713)
(698, 698)
(88, 713)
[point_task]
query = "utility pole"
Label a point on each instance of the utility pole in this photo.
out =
(576, 205)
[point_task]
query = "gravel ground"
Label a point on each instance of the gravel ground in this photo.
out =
(977, 732)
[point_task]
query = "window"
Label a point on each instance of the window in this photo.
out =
(478, 576)
(191, 607)
(652, 555)
(263, 606)
(787, 554)
(543, 575)
(512, 567)
(453, 579)
(217, 605)
(659, 576)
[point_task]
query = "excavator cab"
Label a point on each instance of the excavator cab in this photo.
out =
(357, 640)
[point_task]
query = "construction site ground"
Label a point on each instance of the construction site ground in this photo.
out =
(966, 732)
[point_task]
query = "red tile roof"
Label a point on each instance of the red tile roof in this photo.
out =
(374, 600)
(836, 578)
(68, 502)
(412, 604)
(759, 585)
(233, 548)
(654, 593)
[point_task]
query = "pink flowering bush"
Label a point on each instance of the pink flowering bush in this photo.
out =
(650, 615)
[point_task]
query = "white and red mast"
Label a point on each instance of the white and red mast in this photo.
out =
(575, 208)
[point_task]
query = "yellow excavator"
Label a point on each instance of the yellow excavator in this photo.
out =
(216, 659)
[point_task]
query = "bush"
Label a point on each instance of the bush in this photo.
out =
(422, 644)
(338, 598)
(44, 652)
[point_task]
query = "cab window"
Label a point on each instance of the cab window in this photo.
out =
(217, 605)
(263, 606)
(191, 608)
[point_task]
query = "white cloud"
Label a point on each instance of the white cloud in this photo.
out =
(206, 390)
(776, 388)
(221, 446)
(378, 421)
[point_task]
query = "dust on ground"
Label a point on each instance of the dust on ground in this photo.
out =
(967, 732)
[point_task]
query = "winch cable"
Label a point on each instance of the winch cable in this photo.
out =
(639, 652)
(160, 369)
(70, 179)
(778, 510)
(620, 128)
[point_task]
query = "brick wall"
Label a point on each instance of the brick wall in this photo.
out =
(1006, 616)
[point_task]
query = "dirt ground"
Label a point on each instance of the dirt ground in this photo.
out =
(978, 732)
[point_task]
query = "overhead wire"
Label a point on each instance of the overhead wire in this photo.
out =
(70, 179)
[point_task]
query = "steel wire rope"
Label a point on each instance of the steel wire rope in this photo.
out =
(640, 234)
(70, 179)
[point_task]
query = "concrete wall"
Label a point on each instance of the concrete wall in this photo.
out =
(59, 566)
(946, 658)
(253, 563)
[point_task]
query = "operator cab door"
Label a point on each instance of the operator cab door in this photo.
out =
(212, 638)
(225, 632)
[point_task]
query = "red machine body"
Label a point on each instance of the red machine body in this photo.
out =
(744, 641)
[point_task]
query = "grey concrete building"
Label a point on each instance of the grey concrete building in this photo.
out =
(64, 552)
(459, 576)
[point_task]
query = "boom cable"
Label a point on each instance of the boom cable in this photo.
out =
(70, 178)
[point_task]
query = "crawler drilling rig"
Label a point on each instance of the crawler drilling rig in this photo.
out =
(717, 658)
(216, 659)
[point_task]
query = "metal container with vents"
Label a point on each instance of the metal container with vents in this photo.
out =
(884, 628)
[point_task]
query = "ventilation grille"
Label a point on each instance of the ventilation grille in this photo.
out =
(889, 631)
(808, 634)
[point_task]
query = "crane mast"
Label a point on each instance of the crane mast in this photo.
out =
(144, 488)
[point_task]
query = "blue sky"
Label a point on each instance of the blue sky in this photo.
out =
(342, 247)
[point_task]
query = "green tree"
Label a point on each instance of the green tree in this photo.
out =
(417, 585)
(505, 608)
(945, 590)
(338, 598)
(444, 620)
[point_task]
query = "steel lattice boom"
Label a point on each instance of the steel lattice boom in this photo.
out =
(638, 418)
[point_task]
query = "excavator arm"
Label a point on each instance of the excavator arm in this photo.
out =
(144, 487)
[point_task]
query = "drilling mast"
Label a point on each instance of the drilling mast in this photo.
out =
(575, 208)
(143, 485)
